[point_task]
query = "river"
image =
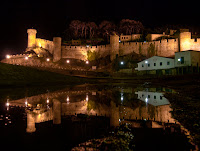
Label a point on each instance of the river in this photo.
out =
(62, 117)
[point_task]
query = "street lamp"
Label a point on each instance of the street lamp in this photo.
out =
(8, 56)
(146, 62)
(87, 62)
(122, 63)
(68, 61)
(48, 59)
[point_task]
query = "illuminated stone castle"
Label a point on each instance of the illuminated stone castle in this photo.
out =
(57, 50)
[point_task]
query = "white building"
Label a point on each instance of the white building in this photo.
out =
(155, 63)
(187, 58)
(153, 98)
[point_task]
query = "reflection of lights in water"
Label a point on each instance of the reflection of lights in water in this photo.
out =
(67, 99)
(7, 104)
(122, 97)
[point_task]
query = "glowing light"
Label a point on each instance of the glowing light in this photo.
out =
(87, 98)
(67, 98)
(7, 104)
(26, 103)
(26, 58)
(87, 62)
(121, 62)
(47, 100)
(179, 59)
(48, 59)
(8, 56)
(146, 99)
(146, 61)
(40, 45)
(68, 61)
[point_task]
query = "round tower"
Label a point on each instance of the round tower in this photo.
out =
(185, 41)
(30, 123)
(31, 37)
(114, 43)
(57, 48)
(56, 111)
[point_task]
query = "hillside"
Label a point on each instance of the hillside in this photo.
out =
(19, 75)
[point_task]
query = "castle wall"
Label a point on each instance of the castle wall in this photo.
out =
(165, 48)
(57, 54)
(80, 52)
(46, 44)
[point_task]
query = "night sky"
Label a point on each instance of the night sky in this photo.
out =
(51, 18)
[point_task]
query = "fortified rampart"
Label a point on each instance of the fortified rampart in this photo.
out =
(46, 44)
(164, 48)
(80, 52)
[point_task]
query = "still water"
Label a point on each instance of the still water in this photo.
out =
(61, 119)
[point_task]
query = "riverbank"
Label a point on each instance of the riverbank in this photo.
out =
(13, 76)
(185, 102)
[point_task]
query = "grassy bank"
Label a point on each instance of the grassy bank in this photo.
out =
(12, 75)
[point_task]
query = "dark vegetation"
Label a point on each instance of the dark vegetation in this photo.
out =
(11, 75)
(91, 33)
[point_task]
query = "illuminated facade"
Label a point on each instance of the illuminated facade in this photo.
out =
(58, 50)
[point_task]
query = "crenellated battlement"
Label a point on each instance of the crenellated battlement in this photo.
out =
(164, 47)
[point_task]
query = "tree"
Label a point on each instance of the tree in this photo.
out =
(129, 27)
(83, 26)
(75, 25)
(106, 28)
(92, 27)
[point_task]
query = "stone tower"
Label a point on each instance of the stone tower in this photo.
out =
(184, 40)
(31, 38)
(57, 49)
(56, 111)
(30, 123)
(114, 44)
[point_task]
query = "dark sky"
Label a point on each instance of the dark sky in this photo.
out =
(50, 18)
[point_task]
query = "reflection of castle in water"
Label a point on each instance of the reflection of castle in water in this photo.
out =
(52, 106)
